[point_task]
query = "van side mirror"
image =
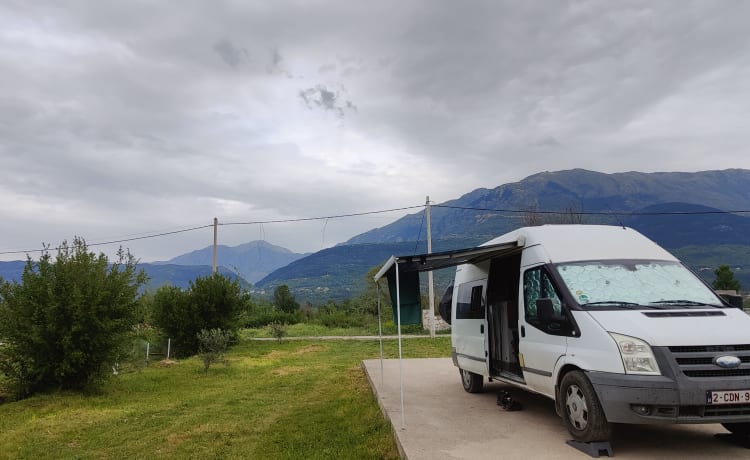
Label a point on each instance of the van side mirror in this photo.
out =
(544, 310)
(548, 321)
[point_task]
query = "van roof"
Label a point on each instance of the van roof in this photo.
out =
(565, 243)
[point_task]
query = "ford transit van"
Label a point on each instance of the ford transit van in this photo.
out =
(605, 322)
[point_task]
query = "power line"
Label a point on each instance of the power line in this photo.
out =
(190, 229)
(594, 213)
(305, 219)
(102, 243)
(405, 208)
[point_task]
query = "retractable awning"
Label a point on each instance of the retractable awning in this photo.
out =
(406, 298)
(445, 259)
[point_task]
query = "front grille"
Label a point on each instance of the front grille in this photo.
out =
(706, 360)
(714, 411)
(717, 373)
(722, 411)
(698, 361)
(709, 348)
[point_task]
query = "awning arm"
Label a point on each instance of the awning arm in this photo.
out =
(387, 266)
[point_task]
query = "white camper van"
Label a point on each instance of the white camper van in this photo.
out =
(605, 322)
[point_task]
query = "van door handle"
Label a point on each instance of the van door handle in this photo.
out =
(481, 329)
(523, 331)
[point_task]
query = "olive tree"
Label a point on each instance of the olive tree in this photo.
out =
(64, 324)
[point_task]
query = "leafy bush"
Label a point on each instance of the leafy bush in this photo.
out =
(212, 344)
(66, 322)
(278, 330)
(211, 302)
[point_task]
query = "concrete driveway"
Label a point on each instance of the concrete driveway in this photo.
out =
(442, 421)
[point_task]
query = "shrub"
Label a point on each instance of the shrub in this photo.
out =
(211, 302)
(278, 330)
(66, 322)
(212, 344)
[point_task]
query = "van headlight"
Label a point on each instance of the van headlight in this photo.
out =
(636, 355)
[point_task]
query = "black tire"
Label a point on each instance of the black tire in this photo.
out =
(582, 411)
(473, 383)
(741, 429)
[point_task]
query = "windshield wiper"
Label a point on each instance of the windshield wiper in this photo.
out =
(616, 303)
(685, 302)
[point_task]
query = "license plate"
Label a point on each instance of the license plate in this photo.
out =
(728, 397)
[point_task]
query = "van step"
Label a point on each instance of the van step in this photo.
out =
(505, 375)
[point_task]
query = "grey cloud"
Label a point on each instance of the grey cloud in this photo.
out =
(126, 106)
(230, 54)
(323, 98)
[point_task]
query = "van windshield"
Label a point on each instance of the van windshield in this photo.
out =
(635, 284)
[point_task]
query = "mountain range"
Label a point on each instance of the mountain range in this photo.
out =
(702, 217)
(683, 212)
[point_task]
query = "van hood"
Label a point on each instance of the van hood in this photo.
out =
(714, 326)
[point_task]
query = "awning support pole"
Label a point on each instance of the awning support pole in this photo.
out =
(400, 356)
(380, 333)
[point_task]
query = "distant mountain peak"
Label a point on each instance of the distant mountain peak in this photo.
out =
(252, 260)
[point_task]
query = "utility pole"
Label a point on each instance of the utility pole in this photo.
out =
(430, 288)
(216, 227)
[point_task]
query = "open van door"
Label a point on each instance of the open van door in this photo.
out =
(469, 326)
(544, 329)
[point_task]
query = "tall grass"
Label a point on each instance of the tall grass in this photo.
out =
(302, 399)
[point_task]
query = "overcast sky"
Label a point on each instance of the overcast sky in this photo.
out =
(120, 119)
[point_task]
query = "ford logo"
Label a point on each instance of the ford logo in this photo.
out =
(727, 362)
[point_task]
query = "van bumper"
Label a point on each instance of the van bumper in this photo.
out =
(662, 400)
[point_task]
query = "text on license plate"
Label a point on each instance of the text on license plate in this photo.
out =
(728, 397)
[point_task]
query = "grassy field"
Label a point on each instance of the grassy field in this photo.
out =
(316, 330)
(300, 399)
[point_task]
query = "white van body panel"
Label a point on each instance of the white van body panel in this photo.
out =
(730, 328)
(594, 350)
(468, 334)
(564, 243)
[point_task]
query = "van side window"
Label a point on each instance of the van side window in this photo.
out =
(537, 284)
(470, 303)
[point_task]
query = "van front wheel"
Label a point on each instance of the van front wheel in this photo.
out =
(583, 414)
(473, 383)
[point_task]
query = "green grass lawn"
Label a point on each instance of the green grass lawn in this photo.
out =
(296, 399)
(313, 330)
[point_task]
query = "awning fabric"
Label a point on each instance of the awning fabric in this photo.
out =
(437, 260)
(411, 297)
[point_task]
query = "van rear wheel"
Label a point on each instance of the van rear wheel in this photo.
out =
(583, 414)
(473, 383)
